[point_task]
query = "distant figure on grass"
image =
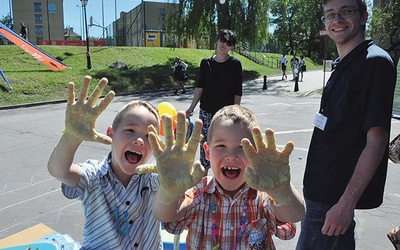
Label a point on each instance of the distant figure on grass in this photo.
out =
(180, 74)
(24, 31)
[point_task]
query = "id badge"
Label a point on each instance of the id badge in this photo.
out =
(320, 121)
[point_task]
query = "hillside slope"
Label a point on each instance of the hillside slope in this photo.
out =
(149, 68)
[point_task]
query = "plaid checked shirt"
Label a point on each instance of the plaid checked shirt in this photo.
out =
(261, 221)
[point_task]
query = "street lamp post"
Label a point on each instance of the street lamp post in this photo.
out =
(89, 63)
(102, 15)
(80, 20)
(48, 20)
(9, 5)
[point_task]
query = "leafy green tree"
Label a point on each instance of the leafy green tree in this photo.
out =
(249, 19)
(282, 20)
(385, 27)
(6, 20)
(297, 25)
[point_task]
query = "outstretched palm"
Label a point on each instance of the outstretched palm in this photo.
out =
(174, 158)
(81, 114)
(270, 170)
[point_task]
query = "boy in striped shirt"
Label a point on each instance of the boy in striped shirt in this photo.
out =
(116, 200)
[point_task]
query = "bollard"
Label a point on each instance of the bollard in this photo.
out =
(265, 83)
(296, 84)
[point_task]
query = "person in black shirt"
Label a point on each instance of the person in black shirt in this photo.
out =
(180, 74)
(348, 155)
(219, 84)
(24, 31)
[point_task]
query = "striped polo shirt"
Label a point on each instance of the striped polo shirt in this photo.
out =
(116, 217)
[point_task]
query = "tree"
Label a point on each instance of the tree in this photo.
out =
(247, 18)
(7, 20)
(385, 27)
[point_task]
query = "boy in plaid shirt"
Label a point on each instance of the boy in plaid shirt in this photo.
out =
(248, 200)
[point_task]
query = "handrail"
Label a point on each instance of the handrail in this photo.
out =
(259, 56)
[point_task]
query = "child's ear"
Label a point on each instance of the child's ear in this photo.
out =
(110, 131)
(207, 150)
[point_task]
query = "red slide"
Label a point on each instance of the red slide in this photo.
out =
(32, 49)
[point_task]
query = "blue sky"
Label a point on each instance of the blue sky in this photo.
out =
(72, 12)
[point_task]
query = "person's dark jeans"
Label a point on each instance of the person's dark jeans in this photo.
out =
(206, 118)
(311, 237)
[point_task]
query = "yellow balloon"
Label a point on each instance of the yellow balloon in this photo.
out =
(169, 109)
(166, 108)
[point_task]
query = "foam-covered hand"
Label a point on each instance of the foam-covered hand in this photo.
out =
(175, 159)
(269, 170)
(81, 114)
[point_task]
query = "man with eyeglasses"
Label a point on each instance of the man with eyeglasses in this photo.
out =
(347, 159)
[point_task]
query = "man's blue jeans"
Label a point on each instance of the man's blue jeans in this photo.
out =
(311, 237)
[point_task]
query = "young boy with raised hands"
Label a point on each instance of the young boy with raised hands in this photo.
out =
(116, 200)
(249, 199)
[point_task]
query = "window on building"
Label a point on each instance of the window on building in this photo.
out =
(151, 38)
(38, 39)
(161, 16)
(38, 18)
(39, 30)
(37, 7)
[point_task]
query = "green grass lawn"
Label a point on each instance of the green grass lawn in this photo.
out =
(149, 69)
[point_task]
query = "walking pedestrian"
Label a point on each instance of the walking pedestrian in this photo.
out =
(180, 74)
(283, 61)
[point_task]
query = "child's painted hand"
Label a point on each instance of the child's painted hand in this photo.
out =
(175, 159)
(269, 170)
(81, 114)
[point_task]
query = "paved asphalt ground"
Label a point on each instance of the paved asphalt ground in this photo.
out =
(29, 195)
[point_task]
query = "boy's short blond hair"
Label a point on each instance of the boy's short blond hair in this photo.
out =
(132, 104)
(237, 114)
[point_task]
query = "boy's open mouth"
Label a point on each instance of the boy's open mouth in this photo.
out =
(133, 156)
(231, 172)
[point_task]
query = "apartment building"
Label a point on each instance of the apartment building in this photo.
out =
(144, 26)
(44, 19)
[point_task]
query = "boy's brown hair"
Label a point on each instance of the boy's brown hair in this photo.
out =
(132, 104)
(236, 113)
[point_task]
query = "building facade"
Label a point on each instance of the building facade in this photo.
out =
(143, 26)
(44, 19)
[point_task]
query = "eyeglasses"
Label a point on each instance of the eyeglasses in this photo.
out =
(345, 13)
(228, 42)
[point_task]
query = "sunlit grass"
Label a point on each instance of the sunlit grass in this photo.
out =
(149, 69)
